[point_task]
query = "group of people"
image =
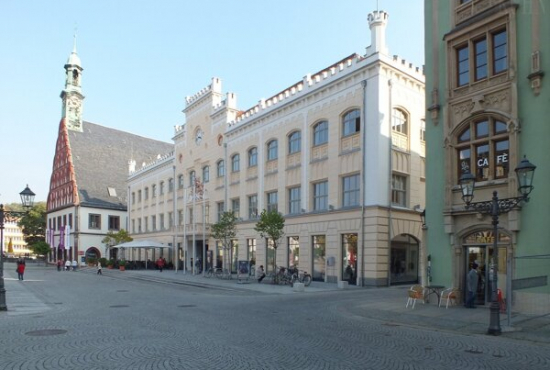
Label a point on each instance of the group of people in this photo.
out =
(66, 266)
(20, 268)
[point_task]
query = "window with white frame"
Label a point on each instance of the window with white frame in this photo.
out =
(153, 190)
(272, 200)
(235, 163)
(170, 185)
(295, 142)
(253, 157)
(162, 226)
(236, 206)
(192, 177)
(206, 174)
(153, 223)
(294, 200)
(350, 191)
(114, 222)
(400, 122)
(320, 133)
(94, 221)
(161, 188)
(320, 196)
(351, 123)
(253, 206)
(272, 150)
(146, 194)
(399, 190)
(220, 168)
(423, 130)
(139, 196)
(180, 182)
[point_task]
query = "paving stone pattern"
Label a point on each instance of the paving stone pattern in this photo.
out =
(129, 320)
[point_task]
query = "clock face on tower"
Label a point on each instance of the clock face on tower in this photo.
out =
(198, 136)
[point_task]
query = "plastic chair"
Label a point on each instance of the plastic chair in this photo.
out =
(414, 293)
(451, 295)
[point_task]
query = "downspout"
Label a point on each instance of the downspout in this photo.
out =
(175, 248)
(390, 231)
(363, 181)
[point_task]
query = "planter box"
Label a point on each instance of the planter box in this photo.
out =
(122, 268)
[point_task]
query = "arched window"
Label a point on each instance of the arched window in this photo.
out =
(253, 157)
(192, 178)
(220, 168)
(236, 163)
(272, 148)
(320, 133)
(295, 142)
(180, 182)
(351, 123)
(483, 149)
(400, 122)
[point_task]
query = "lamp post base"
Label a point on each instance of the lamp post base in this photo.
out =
(494, 324)
(3, 306)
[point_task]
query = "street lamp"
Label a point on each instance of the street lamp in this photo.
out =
(27, 199)
(525, 172)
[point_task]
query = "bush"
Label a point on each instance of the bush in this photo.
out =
(91, 261)
(103, 261)
(111, 262)
(122, 263)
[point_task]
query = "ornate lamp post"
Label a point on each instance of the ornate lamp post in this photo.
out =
(27, 199)
(525, 172)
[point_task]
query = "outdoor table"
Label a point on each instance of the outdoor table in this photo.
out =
(433, 289)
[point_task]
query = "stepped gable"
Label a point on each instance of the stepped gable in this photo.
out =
(100, 158)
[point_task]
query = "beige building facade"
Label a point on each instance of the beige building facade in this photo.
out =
(340, 155)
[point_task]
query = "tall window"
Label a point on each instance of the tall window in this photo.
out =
(251, 243)
(320, 196)
(293, 251)
(94, 221)
(295, 142)
(221, 209)
(350, 191)
(236, 206)
(319, 257)
(351, 123)
(483, 149)
(180, 182)
(192, 177)
(133, 198)
(154, 190)
(146, 195)
(253, 157)
(272, 148)
(487, 54)
(423, 130)
(161, 188)
(252, 206)
(320, 133)
(206, 174)
(162, 226)
(399, 190)
(236, 163)
(294, 200)
(170, 185)
(272, 201)
(139, 196)
(153, 223)
(114, 222)
(220, 168)
(399, 122)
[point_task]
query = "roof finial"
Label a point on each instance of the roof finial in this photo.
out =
(74, 39)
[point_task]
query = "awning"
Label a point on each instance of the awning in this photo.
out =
(141, 244)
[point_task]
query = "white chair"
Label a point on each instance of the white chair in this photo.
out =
(451, 295)
(414, 293)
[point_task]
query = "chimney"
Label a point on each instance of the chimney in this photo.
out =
(377, 25)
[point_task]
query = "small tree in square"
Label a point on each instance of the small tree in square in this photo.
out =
(225, 230)
(271, 226)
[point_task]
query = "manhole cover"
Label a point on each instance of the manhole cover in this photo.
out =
(122, 291)
(187, 305)
(45, 332)
(58, 303)
(119, 306)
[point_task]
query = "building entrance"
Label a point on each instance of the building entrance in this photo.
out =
(479, 249)
(404, 260)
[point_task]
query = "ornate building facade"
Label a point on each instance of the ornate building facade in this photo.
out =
(487, 107)
(340, 154)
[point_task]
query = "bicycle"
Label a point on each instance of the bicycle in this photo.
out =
(223, 273)
(300, 277)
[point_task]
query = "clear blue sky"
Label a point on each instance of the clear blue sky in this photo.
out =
(142, 58)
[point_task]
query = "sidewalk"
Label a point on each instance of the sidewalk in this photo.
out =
(384, 304)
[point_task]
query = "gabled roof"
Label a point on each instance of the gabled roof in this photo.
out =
(100, 157)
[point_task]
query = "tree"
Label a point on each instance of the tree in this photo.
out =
(116, 238)
(41, 248)
(33, 224)
(225, 230)
(271, 226)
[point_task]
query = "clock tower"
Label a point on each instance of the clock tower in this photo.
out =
(72, 94)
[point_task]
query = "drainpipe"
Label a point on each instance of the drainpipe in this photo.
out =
(363, 181)
(389, 179)
(174, 222)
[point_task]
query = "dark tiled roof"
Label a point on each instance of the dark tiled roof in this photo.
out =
(100, 157)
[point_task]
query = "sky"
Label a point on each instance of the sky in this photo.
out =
(141, 58)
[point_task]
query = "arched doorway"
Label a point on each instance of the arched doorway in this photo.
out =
(404, 259)
(92, 252)
(479, 249)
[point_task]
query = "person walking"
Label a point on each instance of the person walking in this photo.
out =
(74, 265)
(99, 268)
(59, 265)
(160, 264)
(472, 281)
(20, 269)
(260, 273)
(67, 265)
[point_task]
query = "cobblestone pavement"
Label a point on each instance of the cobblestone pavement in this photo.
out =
(148, 320)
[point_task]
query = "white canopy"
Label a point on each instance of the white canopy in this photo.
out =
(142, 244)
